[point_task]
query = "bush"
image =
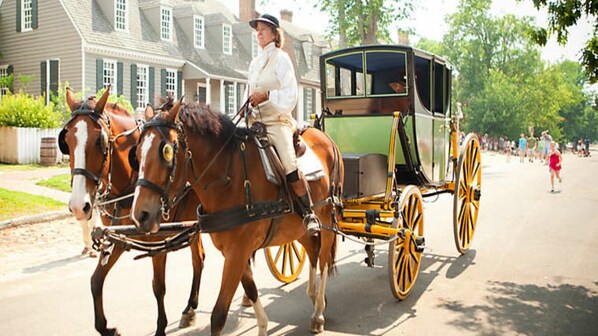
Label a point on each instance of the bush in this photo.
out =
(23, 110)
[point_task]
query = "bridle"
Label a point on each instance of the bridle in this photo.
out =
(168, 157)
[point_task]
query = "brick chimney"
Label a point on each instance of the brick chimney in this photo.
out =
(247, 10)
(403, 38)
(286, 15)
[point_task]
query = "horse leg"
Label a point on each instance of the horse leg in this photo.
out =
(97, 289)
(252, 294)
(159, 287)
(232, 272)
(317, 319)
(197, 258)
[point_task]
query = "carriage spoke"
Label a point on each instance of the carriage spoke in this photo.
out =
(291, 259)
(284, 259)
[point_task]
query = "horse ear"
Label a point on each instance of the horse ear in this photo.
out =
(70, 100)
(103, 100)
(149, 112)
(174, 111)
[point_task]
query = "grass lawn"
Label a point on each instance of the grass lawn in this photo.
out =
(59, 182)
(15, 204)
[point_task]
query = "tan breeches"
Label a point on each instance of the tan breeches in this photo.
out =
(281, 137)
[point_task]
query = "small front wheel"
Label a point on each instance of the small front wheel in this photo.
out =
(285, 261)
(404, 253)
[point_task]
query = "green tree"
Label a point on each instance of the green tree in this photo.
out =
(562, 16)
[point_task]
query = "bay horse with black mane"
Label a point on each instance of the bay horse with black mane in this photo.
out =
(98, 138)
(240, 209)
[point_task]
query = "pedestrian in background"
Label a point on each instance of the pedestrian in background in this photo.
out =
(522, 147)
(508, 149)
(555, 159)
(532, 142)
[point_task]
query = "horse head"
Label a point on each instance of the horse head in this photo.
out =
(85, 138)
(159, 156)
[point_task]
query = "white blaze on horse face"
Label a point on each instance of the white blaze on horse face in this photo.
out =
(79, 196)
(145, 148)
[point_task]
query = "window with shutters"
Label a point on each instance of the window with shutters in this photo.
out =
(121, 10)
(26, 15)
(227, 39)
(171, 83)
(166, 23)
(109, 75)
(142, 86)
(254, 45)
(198, 32)
(308, 53)
(3, 74)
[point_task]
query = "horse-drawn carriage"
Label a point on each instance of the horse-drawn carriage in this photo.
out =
(386, 129)
(388, 109)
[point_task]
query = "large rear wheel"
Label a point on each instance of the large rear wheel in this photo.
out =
(468, 190)
(285, 261)
(404, 253)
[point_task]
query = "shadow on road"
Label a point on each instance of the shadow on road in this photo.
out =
(528, 309)
(54, 264)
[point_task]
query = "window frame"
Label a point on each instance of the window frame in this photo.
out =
(202, 35)
(114, 81)
(230, 98)
(227, 45)
(309, 101)
(173, 85)
(142, 93)
(166, 23)
(24, 17)
(125, 15)
(3, 73)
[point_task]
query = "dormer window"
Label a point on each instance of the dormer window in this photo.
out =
(308, 52)
(198, 32)
(227, 39)
(121, 10)
(166, 23)
(27, 15)
(254, 45)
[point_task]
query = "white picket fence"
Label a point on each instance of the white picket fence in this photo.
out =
(20, 145)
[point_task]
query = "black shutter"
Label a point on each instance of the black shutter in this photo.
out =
(305, 112)
(99, 74)
(43, 76)
(150, 85)
(134, 85)
(18, 15)
(54, 77)
(313, 102)
(9, 71)
(34, 14)
(119, 78)
(179, 84)
(163, 74)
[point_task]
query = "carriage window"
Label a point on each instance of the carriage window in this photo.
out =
(198, 32)
(344, 76)
(439, 82)
(166, 23)
(422, 80)
(120, 15)
(387, 70)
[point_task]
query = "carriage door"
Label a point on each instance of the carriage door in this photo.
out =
(440, 103)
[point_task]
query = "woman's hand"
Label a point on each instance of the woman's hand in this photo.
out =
(258, 98)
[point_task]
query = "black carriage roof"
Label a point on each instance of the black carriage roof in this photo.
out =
(388, 47)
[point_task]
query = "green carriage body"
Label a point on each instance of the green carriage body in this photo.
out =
(363, 87)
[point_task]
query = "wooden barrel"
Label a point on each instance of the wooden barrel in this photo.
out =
(48, 151)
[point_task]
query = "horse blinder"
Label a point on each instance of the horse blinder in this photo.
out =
(62, 144)
(167, 150)
(133, 162)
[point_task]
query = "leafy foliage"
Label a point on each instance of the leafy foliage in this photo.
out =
(562, 16)
(23, 110)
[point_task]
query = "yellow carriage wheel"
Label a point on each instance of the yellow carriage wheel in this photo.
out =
(468, 188)
(285, 261)
(404, 257)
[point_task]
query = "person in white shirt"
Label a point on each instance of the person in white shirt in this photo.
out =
(273, 94)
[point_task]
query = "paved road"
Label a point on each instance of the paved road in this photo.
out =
(532, 270)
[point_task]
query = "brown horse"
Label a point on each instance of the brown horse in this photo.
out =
(222, 168)
(98, 138)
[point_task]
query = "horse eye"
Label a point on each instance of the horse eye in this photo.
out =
(167, 152)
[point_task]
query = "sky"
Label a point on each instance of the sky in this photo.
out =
(428, 21)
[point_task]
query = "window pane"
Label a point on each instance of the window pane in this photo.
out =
(166, 19)
(226, 39)
(142, 86)
(388, 71)
(3, 89)
(171, 81)
(344, 76)
(109, 77)
(120, 15)
(27, 14)
(199, 32)
(422, 80)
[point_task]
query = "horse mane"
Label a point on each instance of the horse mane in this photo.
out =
(199, 119)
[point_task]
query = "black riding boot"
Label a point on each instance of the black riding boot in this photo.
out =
(305, 204)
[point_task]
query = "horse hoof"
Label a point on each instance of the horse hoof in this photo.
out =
(317, 324)
(187, 319)
(245, 302)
